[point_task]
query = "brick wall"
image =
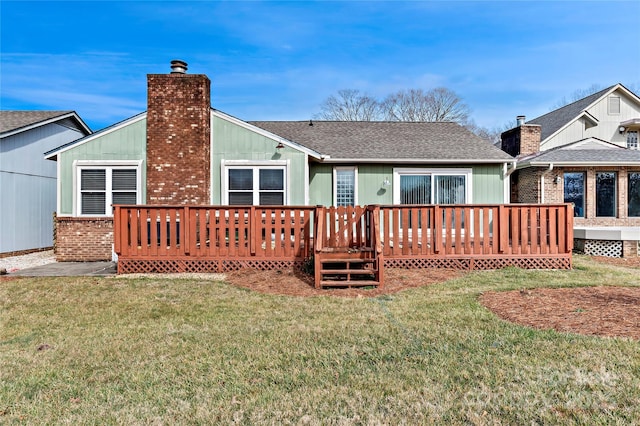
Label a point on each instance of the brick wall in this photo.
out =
(84, 239)
(590, 218)
(178, 138)
(528, 182)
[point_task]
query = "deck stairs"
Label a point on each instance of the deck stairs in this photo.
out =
(347, 253)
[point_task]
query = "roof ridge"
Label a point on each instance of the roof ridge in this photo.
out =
(572, 104)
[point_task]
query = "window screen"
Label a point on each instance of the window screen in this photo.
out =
(93, 191)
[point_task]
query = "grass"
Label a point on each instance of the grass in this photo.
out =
(159, 351)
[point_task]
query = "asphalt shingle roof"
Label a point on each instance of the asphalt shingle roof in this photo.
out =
(554, 120)
(13, 120)
(375, 140)
(581, 152)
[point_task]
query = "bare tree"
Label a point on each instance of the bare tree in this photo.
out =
(576, 96)
(440, 104)
(350, 105)
(491, 134)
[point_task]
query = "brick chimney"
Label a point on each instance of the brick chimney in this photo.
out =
(178, 137)
(523, 139)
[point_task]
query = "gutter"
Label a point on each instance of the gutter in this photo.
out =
(328, 159)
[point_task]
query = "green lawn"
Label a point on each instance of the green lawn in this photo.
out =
(159, 351)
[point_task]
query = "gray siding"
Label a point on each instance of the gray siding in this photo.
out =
(28, 187)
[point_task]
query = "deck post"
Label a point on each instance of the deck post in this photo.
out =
(252, 231)
(438, 228)
(116, 230)
(185, 229)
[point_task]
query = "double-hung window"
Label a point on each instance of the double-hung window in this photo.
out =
(255, 185)
(432, 186)
(99, 187)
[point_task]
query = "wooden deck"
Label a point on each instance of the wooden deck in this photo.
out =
(226, 238)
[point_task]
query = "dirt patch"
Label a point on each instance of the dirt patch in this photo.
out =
(627, 262)
(296, 283)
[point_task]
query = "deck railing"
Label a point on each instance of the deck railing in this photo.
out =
(409, 235)
(204, 232)
(476, 229)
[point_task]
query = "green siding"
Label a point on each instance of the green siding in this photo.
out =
(233, 142)
(320, 184)
(487, 183)
(126, 143)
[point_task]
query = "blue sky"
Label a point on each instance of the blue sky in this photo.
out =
(280, 60)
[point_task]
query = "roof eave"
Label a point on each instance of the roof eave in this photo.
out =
(577, 164)
(52, 155)
(71, 114)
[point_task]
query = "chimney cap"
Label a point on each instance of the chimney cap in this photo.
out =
(178, 67)
(520, 120)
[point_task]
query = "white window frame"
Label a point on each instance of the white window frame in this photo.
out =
(109, 166)
(466, 172)
(255, 166)
(355, 183)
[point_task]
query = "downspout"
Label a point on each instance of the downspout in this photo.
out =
(506, 172)
(542, 182)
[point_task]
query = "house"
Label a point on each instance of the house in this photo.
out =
(27, 181)
(585, 153)
(183, 151)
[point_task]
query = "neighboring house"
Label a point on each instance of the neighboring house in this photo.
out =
(585, 153)
(181, 151)
(27, 181)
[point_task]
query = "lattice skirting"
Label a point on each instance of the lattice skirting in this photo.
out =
(480, 263)
(599, 247)
(126, 266)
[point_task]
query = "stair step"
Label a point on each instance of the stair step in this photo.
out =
(347, 271)
(325, 283)
(355, 260)
(346, 250)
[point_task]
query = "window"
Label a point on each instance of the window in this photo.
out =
(432, 186)
(614, 105)
(256, 185)
(345, 186)
(606, 194)
(632, 139)
(633, 190)
(574, 192)
(100, 187)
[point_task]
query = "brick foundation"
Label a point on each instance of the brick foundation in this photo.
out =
(81, 239)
